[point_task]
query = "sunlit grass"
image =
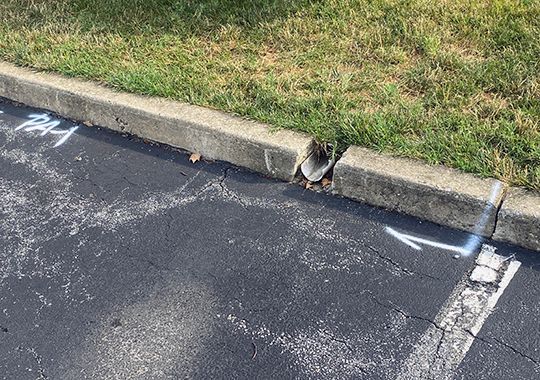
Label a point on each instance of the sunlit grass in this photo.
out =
(456, 83)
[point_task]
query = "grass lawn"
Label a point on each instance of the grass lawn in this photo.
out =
(452, 82)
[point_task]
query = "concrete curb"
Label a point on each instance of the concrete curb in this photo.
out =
(214, 134)
(445, 196)
(435, 193)
(519, 219)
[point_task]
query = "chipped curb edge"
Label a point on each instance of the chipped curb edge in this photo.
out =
(441, 195)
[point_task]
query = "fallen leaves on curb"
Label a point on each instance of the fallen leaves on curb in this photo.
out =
(194, 157)
(308, 185)
(326, 182)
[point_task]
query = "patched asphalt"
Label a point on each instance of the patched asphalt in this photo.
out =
(121, 259)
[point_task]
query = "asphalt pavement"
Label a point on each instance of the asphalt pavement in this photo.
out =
(121, 259)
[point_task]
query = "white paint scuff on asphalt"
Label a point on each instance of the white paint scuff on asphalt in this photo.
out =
(443, 346)
(317, 352)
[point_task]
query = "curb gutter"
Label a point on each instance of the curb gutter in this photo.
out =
(214, 134)
(445, 196)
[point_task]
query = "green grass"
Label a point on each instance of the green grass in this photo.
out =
(452, 82)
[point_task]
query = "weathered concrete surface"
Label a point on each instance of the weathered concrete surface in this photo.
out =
(437, 194)
(214, 134)
(519, 219)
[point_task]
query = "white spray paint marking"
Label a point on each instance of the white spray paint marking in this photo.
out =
(23, 214)
(44, 123)
(444, 344)
(411, 241)
(473, 242)
(268, 160)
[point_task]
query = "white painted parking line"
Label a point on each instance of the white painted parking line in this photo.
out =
(445, 343)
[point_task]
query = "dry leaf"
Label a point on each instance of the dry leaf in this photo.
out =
(308, 185)
(88, 124)
(254, 351)
(195, 157)
(326, 182)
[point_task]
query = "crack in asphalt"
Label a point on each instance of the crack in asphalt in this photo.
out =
(398, 266)
(338, 340)
(402, 313)
(515, 350)
(492, 340)
(226, 191)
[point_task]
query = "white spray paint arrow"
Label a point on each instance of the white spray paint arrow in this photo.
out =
(474, 241)
(412, 241)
